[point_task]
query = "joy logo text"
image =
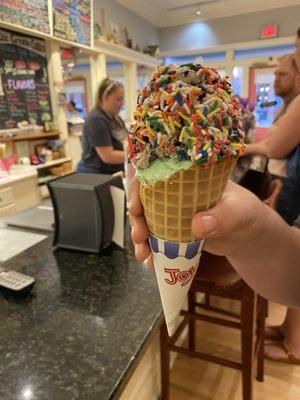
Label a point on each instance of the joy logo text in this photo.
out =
(175, 275)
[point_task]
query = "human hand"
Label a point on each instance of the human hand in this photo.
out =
(237, 220)
(247, 149)
(139, 230)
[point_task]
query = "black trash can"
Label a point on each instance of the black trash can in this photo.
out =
(83, 211)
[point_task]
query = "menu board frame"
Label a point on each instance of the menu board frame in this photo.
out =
(72, 20)
(31, 14)
(24, 92)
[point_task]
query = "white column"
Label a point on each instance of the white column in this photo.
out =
(229, 64)
(245, 87)
(150, 70)
(92, 22)
(130, 72)
(98, 72)
(57, 87)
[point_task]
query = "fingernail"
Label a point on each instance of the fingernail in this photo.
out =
(209, 224)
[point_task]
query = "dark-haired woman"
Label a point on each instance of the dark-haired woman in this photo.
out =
(104, 131)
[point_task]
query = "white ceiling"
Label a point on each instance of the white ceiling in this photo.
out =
(164, 13)
(169, 5)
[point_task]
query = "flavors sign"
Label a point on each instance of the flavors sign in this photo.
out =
(24, 87)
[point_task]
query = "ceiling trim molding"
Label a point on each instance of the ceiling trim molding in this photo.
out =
(177, 17)
(231, 46)
(161, 25)
(197, 4)
(124, 54)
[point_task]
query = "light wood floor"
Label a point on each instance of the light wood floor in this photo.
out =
(193, 379)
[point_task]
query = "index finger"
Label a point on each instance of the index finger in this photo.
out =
(136, 208)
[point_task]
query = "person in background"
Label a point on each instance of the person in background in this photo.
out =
(103, 132)
(247, 117)
(258, 243)
(74, 119)
(73, 110)
(283, 141)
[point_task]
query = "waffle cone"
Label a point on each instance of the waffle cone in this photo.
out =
(170, 204)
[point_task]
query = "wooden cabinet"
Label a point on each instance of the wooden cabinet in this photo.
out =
(26, 193)
(145, 381)
(18, 193)
(6, 197)
(7, 210)
(7, 204)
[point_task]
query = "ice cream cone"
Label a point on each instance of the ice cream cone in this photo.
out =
(169, 207)
(170, 204)
(184, 145)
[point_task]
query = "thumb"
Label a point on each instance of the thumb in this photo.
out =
(204, 225)
(216, 223)
(229, 217)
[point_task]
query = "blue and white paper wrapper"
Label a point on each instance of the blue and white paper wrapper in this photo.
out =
(175, 267)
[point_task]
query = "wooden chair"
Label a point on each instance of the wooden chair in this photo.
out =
(216, 277)
(258, 182)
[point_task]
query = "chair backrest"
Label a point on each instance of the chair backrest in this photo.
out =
(273, 194)
(258, 180)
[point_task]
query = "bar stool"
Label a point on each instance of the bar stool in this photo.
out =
(215, 276)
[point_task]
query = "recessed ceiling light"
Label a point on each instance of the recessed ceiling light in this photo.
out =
(198, 12)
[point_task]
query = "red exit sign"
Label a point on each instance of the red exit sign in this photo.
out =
(269, 31)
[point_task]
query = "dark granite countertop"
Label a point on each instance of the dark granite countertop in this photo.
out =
(78, 334)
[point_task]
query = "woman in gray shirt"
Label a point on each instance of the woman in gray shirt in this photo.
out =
(104, 131)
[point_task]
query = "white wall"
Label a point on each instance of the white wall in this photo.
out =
(139, 29)
(228, 30)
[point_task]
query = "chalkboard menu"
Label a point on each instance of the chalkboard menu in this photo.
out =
(72, 20)
(24, 88)
(32, 14)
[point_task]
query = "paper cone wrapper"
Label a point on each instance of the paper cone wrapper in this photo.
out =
(175, 267)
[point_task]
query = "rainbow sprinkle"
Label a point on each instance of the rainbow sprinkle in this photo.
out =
(186, 112)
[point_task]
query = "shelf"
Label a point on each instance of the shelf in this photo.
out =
(45, 179)
(51, 163)
(30, 136)
(11, 179)
(124, 53)
(100, 46)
